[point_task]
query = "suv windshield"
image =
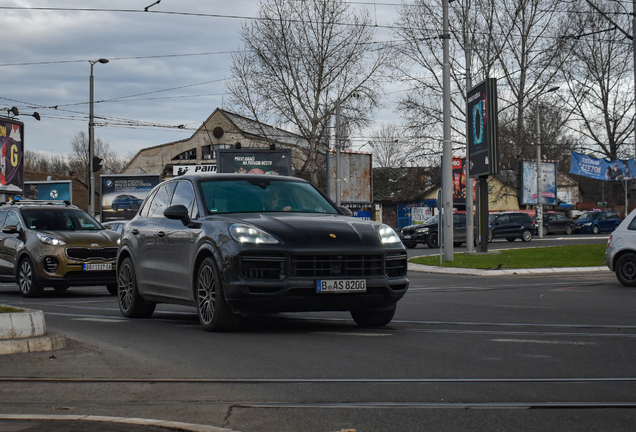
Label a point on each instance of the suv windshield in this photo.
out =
(590, 215)
(63, 219)
(259, 196)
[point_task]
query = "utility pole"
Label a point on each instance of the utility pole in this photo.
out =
(338, 181)
(470, 224)
(447, 167)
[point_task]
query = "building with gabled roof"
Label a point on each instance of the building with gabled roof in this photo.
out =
(223, 129)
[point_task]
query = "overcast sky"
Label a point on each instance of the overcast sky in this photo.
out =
(167, 67)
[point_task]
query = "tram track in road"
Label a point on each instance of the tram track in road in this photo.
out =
(306, 393)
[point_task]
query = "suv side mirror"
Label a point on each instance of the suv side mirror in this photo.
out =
(178, 212)
(346, 211)
(11, 229)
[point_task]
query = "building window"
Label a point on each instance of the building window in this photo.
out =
(209, 151)
(188, 154)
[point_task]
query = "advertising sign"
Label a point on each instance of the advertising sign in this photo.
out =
(57, 190)
(601, 169)
(362, 214)
(178, 170)
(255, 161)
(482, 140)
(11, 158)
(459, 181)
(123, 194)
(529, 182)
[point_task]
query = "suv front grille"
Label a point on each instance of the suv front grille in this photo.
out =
(84, 254)
(396, 264)
(263, 266)
(274, 266)
(338, 265)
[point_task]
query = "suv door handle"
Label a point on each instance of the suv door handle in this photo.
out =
(134, 231)
(161, 233)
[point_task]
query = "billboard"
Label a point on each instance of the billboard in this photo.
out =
(529, 182)
(483, 125)
(356, 175)
(12, 156)
(601, 169)
(122, 194)
(57, 190)
(179, 170)
(459, 181)
(255, 161)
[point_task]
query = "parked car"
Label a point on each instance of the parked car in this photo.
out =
(216, 242)
(556, 223)
(597, 221)
(427, 232)
(511, 226)
(126, 202)
(55, 244)
(620, 253)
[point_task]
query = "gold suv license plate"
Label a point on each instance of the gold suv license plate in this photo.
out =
(88, 267)
(341, 286)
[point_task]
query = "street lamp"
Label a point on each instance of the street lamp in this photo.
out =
(539, 218)
(91, 143)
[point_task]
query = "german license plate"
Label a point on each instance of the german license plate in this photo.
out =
(341, 286)
(407, 237)
(89, 267)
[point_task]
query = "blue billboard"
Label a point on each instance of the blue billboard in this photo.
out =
(602, 169)
(50, 190)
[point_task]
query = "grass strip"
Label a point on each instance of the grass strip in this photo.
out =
(591, 255)
(8, 309)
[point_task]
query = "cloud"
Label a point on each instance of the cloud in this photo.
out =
(45, 65)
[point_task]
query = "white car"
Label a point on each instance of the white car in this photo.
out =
(620, 253)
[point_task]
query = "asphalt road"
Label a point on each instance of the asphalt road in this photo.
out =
(549, 353)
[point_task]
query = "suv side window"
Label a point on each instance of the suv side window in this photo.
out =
(184, 194)
(3, 215)
(503, 219)
(12, 219)
(146, 208)
(160, 201)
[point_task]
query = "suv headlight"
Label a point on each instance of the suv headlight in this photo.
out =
(422, 230)
(387, 235)
(587, 224)
(249, 234)
(53, 241)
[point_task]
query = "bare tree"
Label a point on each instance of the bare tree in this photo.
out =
(389, 151)
(45, 162)
(78, 159)
(515, 41)
(600, 79)
(302, 58)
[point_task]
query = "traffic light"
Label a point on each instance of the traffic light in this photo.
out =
(97, 163)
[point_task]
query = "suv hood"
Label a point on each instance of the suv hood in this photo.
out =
(104, 238)
(314, 230)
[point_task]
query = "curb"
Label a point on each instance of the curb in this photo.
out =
(507, 272)
(124, 420)
(24, 332)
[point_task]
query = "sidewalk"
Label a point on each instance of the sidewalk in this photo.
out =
(505, 272)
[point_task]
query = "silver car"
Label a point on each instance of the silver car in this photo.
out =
(620, 253)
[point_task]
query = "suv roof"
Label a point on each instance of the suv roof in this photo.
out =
(23, 202)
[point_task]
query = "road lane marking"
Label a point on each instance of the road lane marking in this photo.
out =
(102, 320)
(542, 342)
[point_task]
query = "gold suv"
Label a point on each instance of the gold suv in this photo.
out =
(55, 244)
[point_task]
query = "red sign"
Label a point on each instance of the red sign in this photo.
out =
(459, 181)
